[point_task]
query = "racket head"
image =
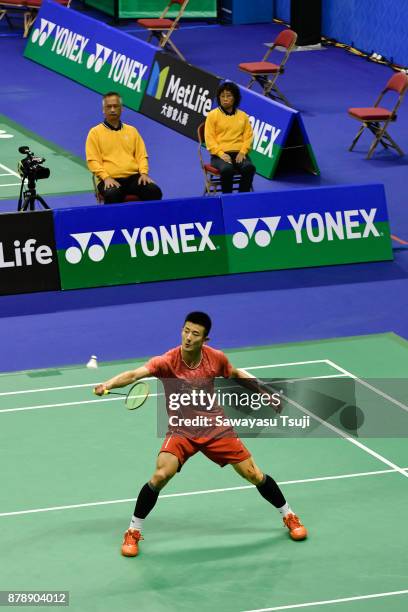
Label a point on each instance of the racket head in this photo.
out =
(137, 395)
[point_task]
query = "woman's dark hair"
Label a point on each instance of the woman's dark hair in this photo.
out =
(232, 88)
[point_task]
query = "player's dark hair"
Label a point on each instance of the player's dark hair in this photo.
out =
(233, 89)
(199, 318)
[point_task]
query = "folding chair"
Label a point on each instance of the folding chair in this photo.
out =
(33, 7)
(212, 176)
(266, 73)
(99, 196)
(163, 28)
(10, 6)
(376, 118)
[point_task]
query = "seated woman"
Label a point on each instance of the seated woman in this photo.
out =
(228, 137)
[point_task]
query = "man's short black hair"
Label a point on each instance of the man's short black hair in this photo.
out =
(233, 89)
(199, 318)
(113, 93)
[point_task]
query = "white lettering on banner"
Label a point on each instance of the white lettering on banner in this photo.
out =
(69, 44)
(320, 226)
(126, 71)
(264, 134)
(177, 238)
(188, 96)
(26, 254)
(369, 219)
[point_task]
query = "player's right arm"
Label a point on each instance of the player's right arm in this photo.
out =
(122, 380)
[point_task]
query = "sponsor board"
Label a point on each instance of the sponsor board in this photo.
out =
(147, 242)
(28, 257)
(91, 53)
(153, 241)
(179, 95)
(311, 227)
(279, 133)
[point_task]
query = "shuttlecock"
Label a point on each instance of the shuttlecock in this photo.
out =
(93, 362)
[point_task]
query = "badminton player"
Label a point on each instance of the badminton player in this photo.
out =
(192, 363)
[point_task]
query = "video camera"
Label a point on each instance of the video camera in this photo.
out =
(31, 166)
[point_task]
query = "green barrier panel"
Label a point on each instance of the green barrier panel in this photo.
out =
(153, 8)
(186, 238)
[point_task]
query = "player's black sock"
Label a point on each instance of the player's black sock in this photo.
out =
(146, 500)
(271, 492)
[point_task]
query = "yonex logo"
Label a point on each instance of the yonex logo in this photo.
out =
(45, 31)
(262, 236)
(157, 81)
(149, 241)
(96, 252)
(98, 60)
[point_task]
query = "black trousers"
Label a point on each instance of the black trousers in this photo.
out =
(246, 169)
(129, 186)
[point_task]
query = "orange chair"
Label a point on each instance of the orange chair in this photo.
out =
(377, 118)
(266, 73)
(162, 28)
(33, 7)
(212, 176)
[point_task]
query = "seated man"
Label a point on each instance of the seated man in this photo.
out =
(116, 154)
(228, 137)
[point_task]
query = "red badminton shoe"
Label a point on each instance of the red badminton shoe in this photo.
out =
(130, 545)
(297, 531)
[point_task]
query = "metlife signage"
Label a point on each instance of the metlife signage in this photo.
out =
(90, 52)
(28, 257)
(179, 95)
(152, 241)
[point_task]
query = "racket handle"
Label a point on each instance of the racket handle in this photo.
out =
(105, 392)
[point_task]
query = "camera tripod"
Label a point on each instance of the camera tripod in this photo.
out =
(29, 197)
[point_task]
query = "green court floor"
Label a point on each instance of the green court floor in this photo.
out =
(69, 173)
(72, 465)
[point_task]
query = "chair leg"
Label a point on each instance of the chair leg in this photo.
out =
(360, 131)
(380, 134)
(277, 95)
(251, 82)
(174, 48)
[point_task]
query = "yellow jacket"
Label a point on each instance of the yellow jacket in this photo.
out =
(227, 132)
(115, 153)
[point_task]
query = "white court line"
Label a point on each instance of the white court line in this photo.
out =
(10, 171)
(79, 403)
(274, 365)
(346, 437)
(330, 601)
(366, 384)
(58, 388)
(202, 492)
(9, 184)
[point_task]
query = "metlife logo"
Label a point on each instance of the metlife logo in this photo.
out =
(28, 258)
(178, 95)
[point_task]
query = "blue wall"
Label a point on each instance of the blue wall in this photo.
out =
(369, 25)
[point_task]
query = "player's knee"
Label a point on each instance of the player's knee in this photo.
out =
(254, 475)
(160, 478)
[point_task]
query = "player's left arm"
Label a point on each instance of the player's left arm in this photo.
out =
(252, 383)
